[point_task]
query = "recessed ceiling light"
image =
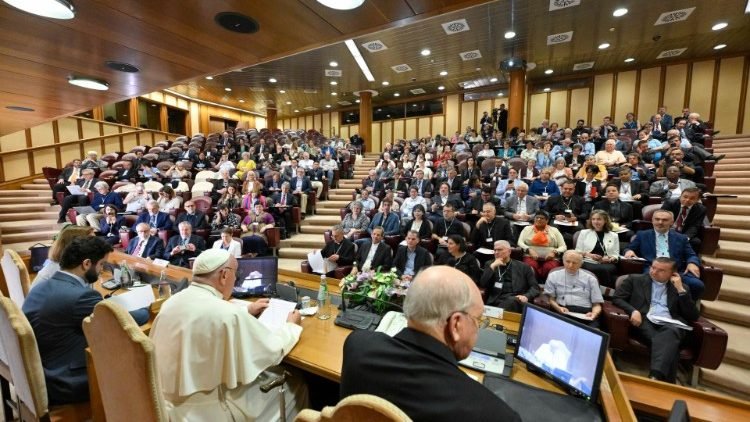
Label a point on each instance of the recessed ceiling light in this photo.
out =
(334, 94)
(89, 83)
(440, 88)
(334, 83)
(443, 73)
(55, 9)
(720, 46)
(396, 94)
(499, 94)
(620, 12)
(333, 64)
(493, 80)
(328, 106)
(603, 46)
(209, 77)
(272, 80)
(281, 91)
(546, 90)
(386, 83)
(288, 103)
(356, 101)
(296, 111)
(228, 89)
(549, 72)
(342, 4)
(510, 35)
(241, 100)
(425, 52)
(719, 26)
(629, 60)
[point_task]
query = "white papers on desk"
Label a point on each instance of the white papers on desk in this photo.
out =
(635, 258)
(621, 229)
(660, 320)
(486, 251)
(579, 316)
(319, 264)
(275, 315)
(521, 223)
(392, 323)
(160, 262)
(566, 223)
(75, 190)
(493, 312)
(136, 298)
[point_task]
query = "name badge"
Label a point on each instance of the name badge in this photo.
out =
(498, 285)
(568, 211)
(445, 238)
(545, 194)
(489, 240)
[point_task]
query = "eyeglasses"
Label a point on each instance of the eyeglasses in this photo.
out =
(481, 322)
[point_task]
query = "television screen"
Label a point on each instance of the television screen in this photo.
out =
(568, 352)
(257, 276)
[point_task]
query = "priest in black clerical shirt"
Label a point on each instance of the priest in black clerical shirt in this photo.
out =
(508, 284)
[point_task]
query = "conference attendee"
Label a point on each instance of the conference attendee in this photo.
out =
(223, 218)
(397, 184)
(444, 312)
(273, 185)
(602, 133)
(202, 162)
(689, 215)
(205, 384)
(156, 219)
(412, 200)
(231, 198)
(110, 225)
(339, 252)
(505, 188)
(447, 225)
(456, 256)
(575, 160)
(283, 202)
(145, 245)
(196, 218)
(390, 221)
(659, 293)
(355, 222)
(573, 290)
(374, 254)
(64, 237)
(254, 228)
(600, 248)
(93, 162)
(662, 241)
(619, 212)
(521, 207)
(417, 222)
(630, 191)
(135, 201)
(507, 283)
(367, 200)
(477, 203)
(490, 228)
(168, 201)
(126, 173)
(245, 165)
(472, 170)
(566, 208)
(102, 197)
(69, 176)
(529, 173)
(317, 178)
(560, 173)
(227, 243)
(672, 186)
(183, 246)
(589, 188)
(443, 198)
(328, 164)
(221, 184)
(542, 244)
(56, 308)
(300, 184)
(410, 259)
(530, 152)
(423, 186)
(544, 186)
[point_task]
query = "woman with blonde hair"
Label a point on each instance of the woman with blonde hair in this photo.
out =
(64, 238)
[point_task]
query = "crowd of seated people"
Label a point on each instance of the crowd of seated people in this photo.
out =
(249, 181)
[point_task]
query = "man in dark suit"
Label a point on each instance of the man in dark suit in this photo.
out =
(412, 258)
(567, 208)
(145, 245)
(69, 176)
(443, 198)
(339, 250)
(454, 181)
(374, 254)
(156, 219)
(508, 283)
(423, 186)
(56, 308)
(187, 154)
(486, 197)
(630, 190)
(490, 229)
(689, 215)
(663, 242)
(221, 184)
(441, 330)
(183, 246)
(126, 173)
(301, 185)
(619, 212)
(283, 202)
(660, 293)
(372, 183)
(86, 183)
(397, 185)
(196, 219)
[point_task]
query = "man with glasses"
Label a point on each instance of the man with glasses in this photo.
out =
(196, 219)
(573, 290)
(183, 246)
(444, 313)
(508, 283)
(145, 245)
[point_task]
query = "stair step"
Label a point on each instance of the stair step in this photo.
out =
(724, 165)
(314, 229)
(40, 182)
(293, 253)
(44, 235)
(27, 226)
(340, 197)
(23, 247)
(36, 186)
(309, 241)
(735, 289)
(734, 234)
(28, 208)
(734, 250)
(720, 310)
(36, 216)
(334, 204)
(721, 174)
(729, 266)
(737, 351)
(321, 220)
(728, 378)
(327, 211)
(733, 209)
(739, 200)
(25, 200)
(731, 181)
(25, 193)
(732, 190)
(731, 221)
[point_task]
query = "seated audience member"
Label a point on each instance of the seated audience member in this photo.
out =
(231, 199)
(374, 254)
(572, 290)
(484, 198)
(227, 243)
(566, 207)
(254, 226)
(355, 222)
(183, 246)
(589, 188)
(168, 201)
(69, 177)
(367, 200)
(505, 188)
(489, 229)
(56, 308)
(223, 218)
(245, 165)
(93, 162)
(630, 191)
(659, 293)
(202, 162)
(221, 184)
(283, 202)
(418, 223)
(529, 173)
(507, 283)
(102, 198)
(664, 242)
(397, 184)
(423, 186)
(456, 256)
(444, 312)
(676, 157)
(575, 160)
(390, 197)
(443, 198)
(317, 178)
(390, 221)
(196, 218)
(521, 207)
(529, 153)
(300, 184)
(541, 244)
(145, 245)
(447, 225)
(672, 186)
(600, 248)
(339, 252)
(372, 183)
(409, 260)
(251, 184)
(328, 164)
(204, 384)
(136, 200)
(560, 173)
(273, 185)
(64, 237)
(126, 173)
(110, 224)
(689, 215)
(410, 201)
(619, 212)
(638, 170)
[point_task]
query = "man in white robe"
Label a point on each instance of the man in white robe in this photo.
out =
(213, 355)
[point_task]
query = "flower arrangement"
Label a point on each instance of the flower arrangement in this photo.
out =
(376, 290)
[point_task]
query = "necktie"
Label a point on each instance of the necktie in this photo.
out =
(283, 199)
(662, 248)
(138, 247)
(153, 221)
(86, 184)
(681, 219)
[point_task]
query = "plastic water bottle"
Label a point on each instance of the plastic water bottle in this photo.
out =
(165, 290)
(126, 278)
(323, 311)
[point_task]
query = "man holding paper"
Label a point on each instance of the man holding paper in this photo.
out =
(659, 306)
(220, 379)
(575, 293)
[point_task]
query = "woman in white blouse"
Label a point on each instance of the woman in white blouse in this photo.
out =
(228, 243)
(600, 247)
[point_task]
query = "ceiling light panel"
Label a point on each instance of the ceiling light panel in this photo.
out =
(560, 38)
(334, 73)
(562, 4)
(583, 66)
(671, 53)
(401, 68)
(374, 46)
(674, 16)
(470, 55)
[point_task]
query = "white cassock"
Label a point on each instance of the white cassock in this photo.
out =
(213, 356)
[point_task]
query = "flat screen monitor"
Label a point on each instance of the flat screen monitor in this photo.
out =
(568, 352)
(257, 276)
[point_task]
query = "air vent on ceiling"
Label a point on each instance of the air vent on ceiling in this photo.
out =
(310, 91)
(583, 66)
(310, 108)
(674, 16)
(560, 38)
(335, 73)
(671, 53)
(470, 55)
(562, 4)
(417, 91)
(345, 103)
(255, 89)
(454, 27)
(374, 46)
(401, 68)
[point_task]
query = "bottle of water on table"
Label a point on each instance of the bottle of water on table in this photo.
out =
(323, 310)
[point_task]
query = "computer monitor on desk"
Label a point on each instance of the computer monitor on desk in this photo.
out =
(568, 352)
(256, 276)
